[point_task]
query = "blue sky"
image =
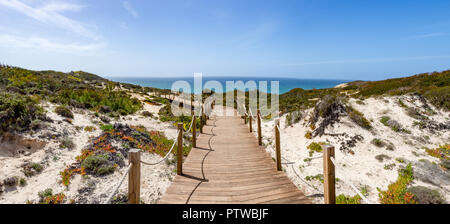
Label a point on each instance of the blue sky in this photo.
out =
(340, 39)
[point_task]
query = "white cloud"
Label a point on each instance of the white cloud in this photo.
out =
(62, 7)
(367, 60)
(130, 9)
(52, 14)
(256, 35)
(11, 41)
(428, 35)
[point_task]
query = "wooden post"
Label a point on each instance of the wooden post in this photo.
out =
(250, 118)
(180, 149)
(134, 176)
(245, 118)
(194, 132)
(201, 123)
(192, 105)
(328, 175)
(258, 118)
(204, 115)
(277, 144)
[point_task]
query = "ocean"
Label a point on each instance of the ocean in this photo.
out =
(285, 84)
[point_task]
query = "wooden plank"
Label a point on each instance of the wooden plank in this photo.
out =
(228, 166)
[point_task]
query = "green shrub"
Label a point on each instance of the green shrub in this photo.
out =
(378, 142)
(98, 165)
(107, 127)
(318, 177)
(439, 97)
(17, 112)
(37, 167)
(393, 124)
(293, 117)
(11, 181)
(64, 112)
(389, 166)
(22, 182)
(345, 199)
(147, 114)
(67, 143)
(46, 193)
(385, 119)
(47, 197)
(31, 169)
(99, 99)
(308, 135)
(424, 195)
(397, 192)
(90, 128)
(315, 147)
(382, 157)
(358, 118)
(442, 152)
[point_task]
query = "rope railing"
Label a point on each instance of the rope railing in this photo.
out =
(190, 127)
(329, 183)
(351, 185)
(122, 179)
(133, 169)
(165, 157)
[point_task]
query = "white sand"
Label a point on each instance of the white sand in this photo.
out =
(154, 182)
(361, 169)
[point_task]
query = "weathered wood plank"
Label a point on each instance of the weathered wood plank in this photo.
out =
(228, 166)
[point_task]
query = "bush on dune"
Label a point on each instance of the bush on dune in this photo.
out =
(96, 99)
(439, 97)
(434, 86)
(397, 192)
(64, 111)
(17, 112)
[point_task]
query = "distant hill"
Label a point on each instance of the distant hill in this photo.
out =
(435, 87)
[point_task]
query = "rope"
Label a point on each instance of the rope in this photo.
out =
(351, 185)
(332, 159)
(119, 184)
(293, 168)
(165, 157)
(192, 122)
(317, 157)
(304, 181)
(251, 114)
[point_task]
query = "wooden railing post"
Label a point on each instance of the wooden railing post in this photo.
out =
(134, 176)
(192, 105)
(258, 118)
(277, 144)
(245, 118)
(250, 121)
(202, 120)
(194, 132)
(329, 175)
(180, 149)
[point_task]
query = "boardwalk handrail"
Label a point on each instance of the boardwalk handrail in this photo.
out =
(131, 165)
(351, 185)
(122, 179)
(279, 157)
(165, 157)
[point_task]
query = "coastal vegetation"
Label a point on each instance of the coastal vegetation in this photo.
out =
(397, 192)
(103, 120)
(103, 157)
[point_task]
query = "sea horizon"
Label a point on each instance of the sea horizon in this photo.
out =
(286, 84)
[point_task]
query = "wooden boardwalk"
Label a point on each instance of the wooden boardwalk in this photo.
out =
(229, 167)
